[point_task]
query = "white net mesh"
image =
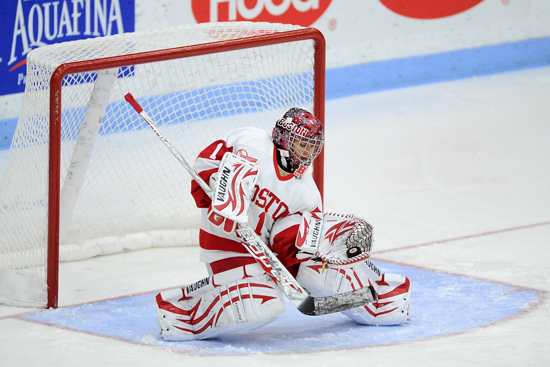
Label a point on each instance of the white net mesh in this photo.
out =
(123, 189)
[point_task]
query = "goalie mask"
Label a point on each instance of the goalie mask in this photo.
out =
(299, 139)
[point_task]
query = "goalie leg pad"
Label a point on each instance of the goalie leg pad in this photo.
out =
(393, 305)
(393, 290)
(217, 310)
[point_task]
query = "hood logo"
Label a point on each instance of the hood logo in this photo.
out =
(299, 12)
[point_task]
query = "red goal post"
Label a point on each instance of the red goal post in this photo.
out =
(256, 39)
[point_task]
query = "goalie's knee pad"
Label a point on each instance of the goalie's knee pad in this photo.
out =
(393, 290)
(207, 310)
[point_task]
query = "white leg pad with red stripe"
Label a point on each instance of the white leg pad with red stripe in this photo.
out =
(206, 310)
(393, 290)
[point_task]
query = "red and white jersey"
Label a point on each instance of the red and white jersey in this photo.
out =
(275, 209)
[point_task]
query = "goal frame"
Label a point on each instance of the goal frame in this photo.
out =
(54, 156)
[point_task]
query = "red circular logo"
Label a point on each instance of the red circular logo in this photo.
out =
(429, 9)
(298, 12)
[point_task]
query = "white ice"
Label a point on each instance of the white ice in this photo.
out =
(454, 176)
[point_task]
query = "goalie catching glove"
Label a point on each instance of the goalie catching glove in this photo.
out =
(339, 239)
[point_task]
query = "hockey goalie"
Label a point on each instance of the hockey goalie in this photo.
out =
(263, 180)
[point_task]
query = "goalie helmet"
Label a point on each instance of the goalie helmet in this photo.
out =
(299, 138)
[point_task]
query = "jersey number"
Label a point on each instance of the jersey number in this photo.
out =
(229, 225)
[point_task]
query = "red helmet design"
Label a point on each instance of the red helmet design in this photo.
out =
(301, 135)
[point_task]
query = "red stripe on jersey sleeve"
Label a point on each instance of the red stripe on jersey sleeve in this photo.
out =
(201, 199)
(283, 246)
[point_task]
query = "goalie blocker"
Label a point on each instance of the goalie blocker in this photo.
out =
(233, 186)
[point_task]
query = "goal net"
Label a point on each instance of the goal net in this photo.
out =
(85, 176)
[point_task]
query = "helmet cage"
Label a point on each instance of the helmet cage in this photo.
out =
(301, 135)
(305, 149)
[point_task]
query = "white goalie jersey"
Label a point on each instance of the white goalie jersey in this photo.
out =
(276, 206)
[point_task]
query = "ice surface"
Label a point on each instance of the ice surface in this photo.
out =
(454, 177)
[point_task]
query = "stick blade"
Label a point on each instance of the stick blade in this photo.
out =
(316, 306)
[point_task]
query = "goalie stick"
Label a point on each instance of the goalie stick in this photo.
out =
(306, 304)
